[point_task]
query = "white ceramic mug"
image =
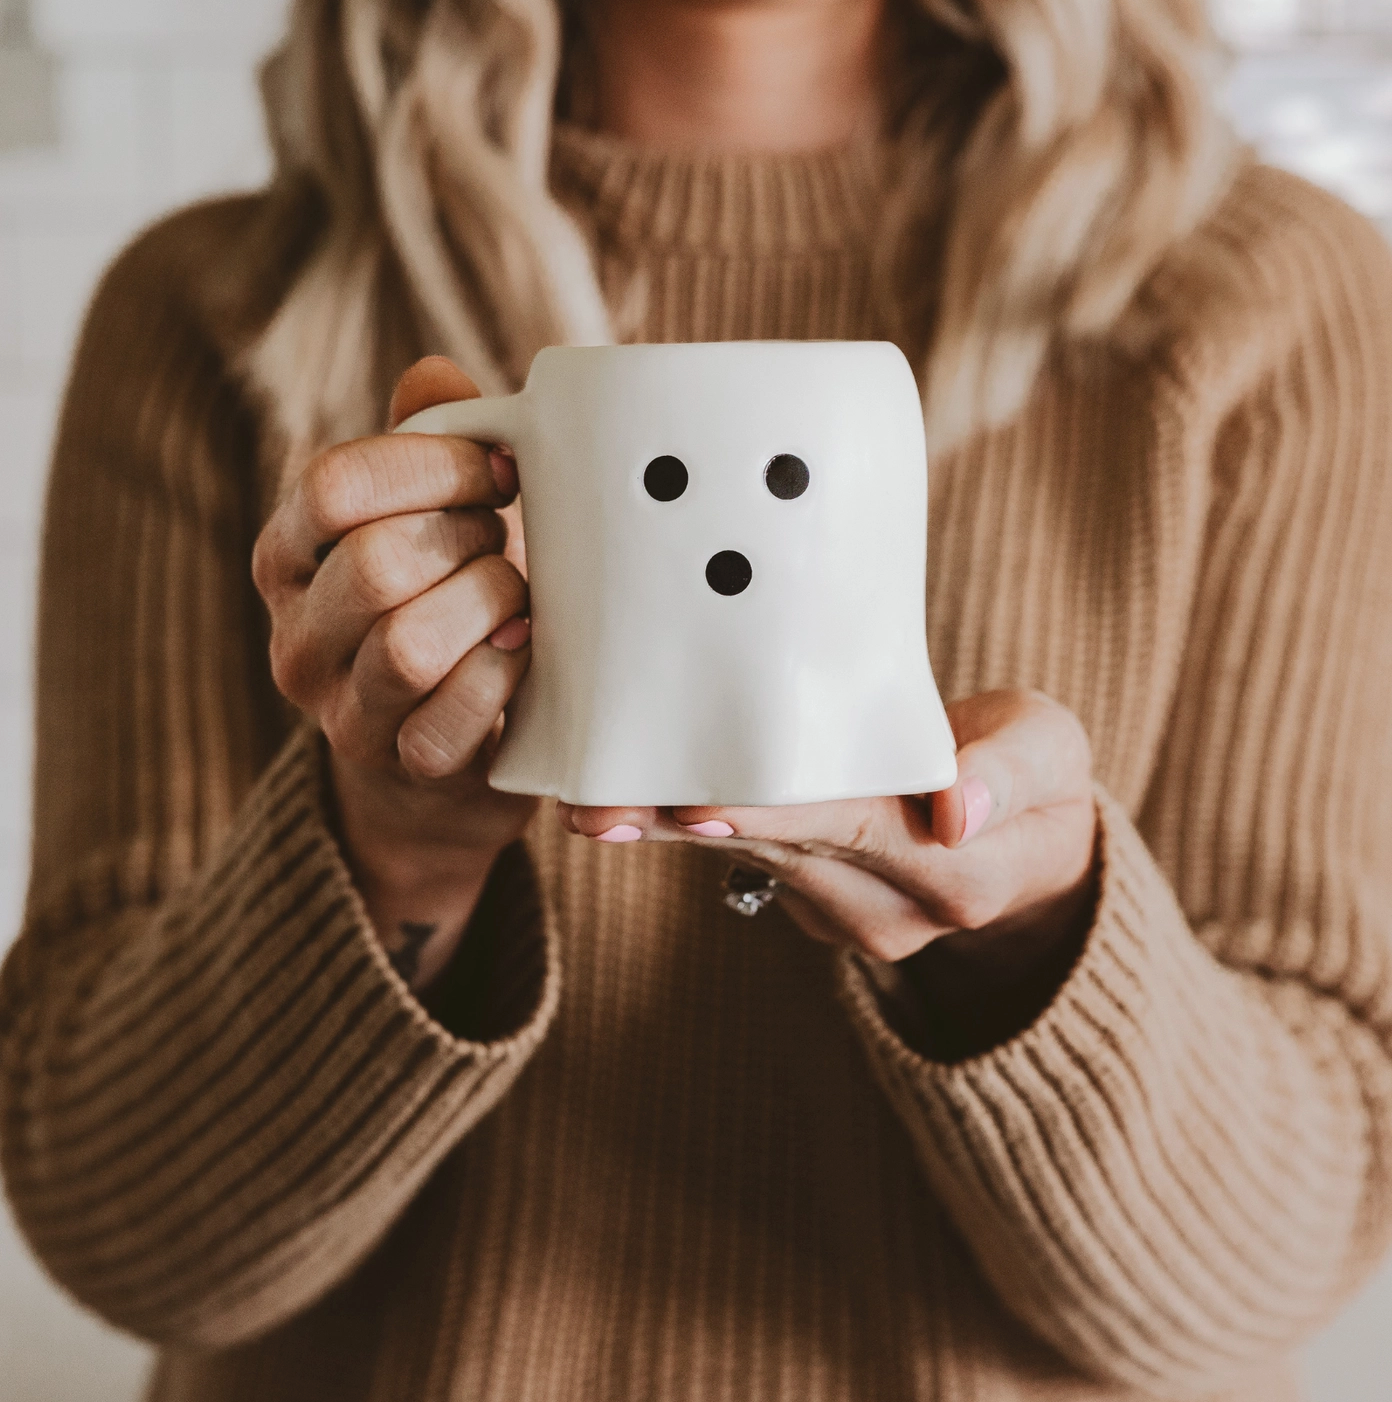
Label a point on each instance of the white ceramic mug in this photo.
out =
(726, 549)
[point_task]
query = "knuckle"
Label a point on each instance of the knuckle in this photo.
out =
(888, 944)
(1064, 718)
(409, 655)
(782, 860)
(871, 941)
(1070, 746)
(337, 731)
(466, 534)
(491, 591)
(290, 667)
(867, 832)
(1081, 741)
(342, 724)
(500, 583)
(263, 562)
(333, 735)
(383, 573)
(330, 493)
(970, 909)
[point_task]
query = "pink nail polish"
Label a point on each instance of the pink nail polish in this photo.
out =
(713, 828)
(504, 468)
(977, 798)
(622, 833)
(515, 634)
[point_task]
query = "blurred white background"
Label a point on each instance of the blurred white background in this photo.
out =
(112, 111)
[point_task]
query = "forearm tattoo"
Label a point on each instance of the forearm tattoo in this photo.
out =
(406, 959)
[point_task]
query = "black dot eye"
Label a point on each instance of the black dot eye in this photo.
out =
(787, 477)
(665, 478)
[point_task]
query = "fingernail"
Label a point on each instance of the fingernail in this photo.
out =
(713, 828)
(977, 798)
(622, 833)
(514, 635)
(504, 467)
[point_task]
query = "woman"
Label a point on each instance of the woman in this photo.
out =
(1073, 1082)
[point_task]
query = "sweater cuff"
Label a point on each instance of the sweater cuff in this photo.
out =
(259, 1001)
(507, 957)
(1138, 954)
(1026, 1145)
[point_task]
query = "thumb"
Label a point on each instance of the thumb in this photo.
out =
(1019, 750)
(428, 382)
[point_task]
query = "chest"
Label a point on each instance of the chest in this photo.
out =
(1062, 556)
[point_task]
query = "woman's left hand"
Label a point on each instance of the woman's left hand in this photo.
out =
(1010, 846)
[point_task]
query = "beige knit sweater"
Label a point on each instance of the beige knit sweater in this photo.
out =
(649, 1150)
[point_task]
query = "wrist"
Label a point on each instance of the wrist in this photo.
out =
(399, 832)
(384, 864)
(420, 860)
(419, 901)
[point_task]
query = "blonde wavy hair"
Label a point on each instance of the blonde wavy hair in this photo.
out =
(1052, 152)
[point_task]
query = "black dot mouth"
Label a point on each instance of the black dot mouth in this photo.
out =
(729, 572)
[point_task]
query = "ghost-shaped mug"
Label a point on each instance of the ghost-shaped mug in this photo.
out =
(726, 549)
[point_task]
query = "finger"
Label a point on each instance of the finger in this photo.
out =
(831, 901)
(892, 911)
(516, 548)
(444, 733)
(367, 480)
(438, 380)
(385, 564)
(889, 837)
(611, 824)
(810, 918)
(434, 380)
(411, 650)
(870, 829)
(1030, 759)
(1019, 750)
(856, 906)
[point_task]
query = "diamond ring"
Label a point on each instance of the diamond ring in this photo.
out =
(747, 891)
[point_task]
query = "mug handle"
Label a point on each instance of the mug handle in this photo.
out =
(490, 419)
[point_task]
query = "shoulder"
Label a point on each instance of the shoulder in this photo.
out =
(1280, 268)
(155, 373)
(172, 256)
(1270, 216)
(214, 272)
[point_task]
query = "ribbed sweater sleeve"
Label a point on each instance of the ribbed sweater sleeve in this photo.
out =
(1183, 1167)
(217, 1095)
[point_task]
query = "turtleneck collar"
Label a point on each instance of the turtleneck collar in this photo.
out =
(633, 196)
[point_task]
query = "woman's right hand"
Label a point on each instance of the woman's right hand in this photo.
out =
(398, 624)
